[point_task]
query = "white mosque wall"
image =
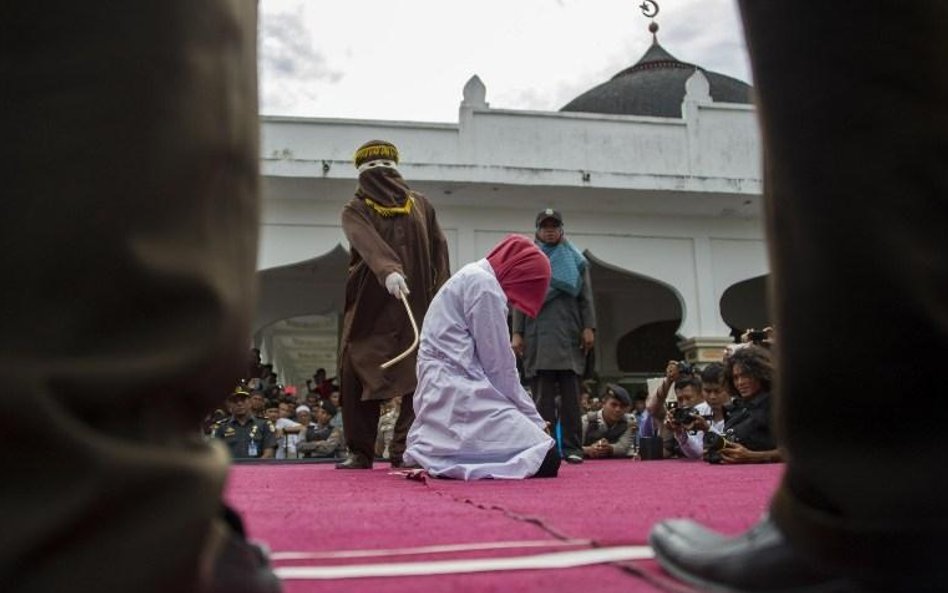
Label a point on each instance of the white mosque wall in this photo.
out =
(696, 258)
(315, 140)
(716, 148)
(734, 260)
(570, 141)
(285, 243)
(699, 258)
(292, 231)
(726, 143)
(674, 200)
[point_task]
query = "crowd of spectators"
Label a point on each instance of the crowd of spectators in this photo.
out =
(719, 413)
(262, 419)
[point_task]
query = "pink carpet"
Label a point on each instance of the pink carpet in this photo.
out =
(314, 508)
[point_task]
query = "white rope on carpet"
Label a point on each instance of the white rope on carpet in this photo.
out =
(439, 549)
(553, 560)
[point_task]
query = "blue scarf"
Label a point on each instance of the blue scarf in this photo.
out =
(567, 264)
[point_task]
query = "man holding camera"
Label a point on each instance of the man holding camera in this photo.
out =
(715, 393)
(655, 405)
(682, 421)
(608, 432)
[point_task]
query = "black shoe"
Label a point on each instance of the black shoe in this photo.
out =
(574, 458)
(355, 461)
(241, 566)
(758, 561)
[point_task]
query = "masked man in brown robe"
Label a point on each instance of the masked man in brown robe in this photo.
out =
(396, 249)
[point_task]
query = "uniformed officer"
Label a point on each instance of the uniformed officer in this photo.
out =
(607, 431)
(246, 436)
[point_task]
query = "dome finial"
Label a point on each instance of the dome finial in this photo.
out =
(650, 9)
(653, 29)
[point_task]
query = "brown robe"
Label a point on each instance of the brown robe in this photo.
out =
(376, 327)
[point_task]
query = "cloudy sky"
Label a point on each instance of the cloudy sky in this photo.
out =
(409, 59)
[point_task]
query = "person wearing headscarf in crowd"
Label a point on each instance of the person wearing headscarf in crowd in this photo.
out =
(555, 344)
(473, 418)
(397, 250)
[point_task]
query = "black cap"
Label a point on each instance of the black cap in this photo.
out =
(619, 393)
(238, 394)
(549, 213)
(327, 406)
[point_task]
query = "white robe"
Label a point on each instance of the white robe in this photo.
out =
(473, 419)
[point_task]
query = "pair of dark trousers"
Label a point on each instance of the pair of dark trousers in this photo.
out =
(547, 385)
(853, 103)
(129, 159)
(360, 418)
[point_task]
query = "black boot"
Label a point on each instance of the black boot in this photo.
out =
(758, 561)
(355, 461)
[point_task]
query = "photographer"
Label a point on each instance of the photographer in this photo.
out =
(655, 406)
(655, 403)
(748, 436)
(762, 337)
(607, 432)
(683, 419)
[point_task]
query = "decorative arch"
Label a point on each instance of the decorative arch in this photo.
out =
(745, 304)
(648, 348)
(314, 286)
(638, 319)
(298, 311)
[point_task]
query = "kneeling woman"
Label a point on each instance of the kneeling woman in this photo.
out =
(473, 419)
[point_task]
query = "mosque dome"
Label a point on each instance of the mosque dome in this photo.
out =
(655, 86)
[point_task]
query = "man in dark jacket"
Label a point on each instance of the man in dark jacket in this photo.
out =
(555, 344)
(397, 250)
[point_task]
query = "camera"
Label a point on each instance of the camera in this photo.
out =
(714, 442)
(684, 415)
(685, 368)
(755, 336)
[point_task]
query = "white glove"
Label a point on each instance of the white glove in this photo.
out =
(395, 285)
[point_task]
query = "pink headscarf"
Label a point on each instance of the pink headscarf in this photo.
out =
(523, 272)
